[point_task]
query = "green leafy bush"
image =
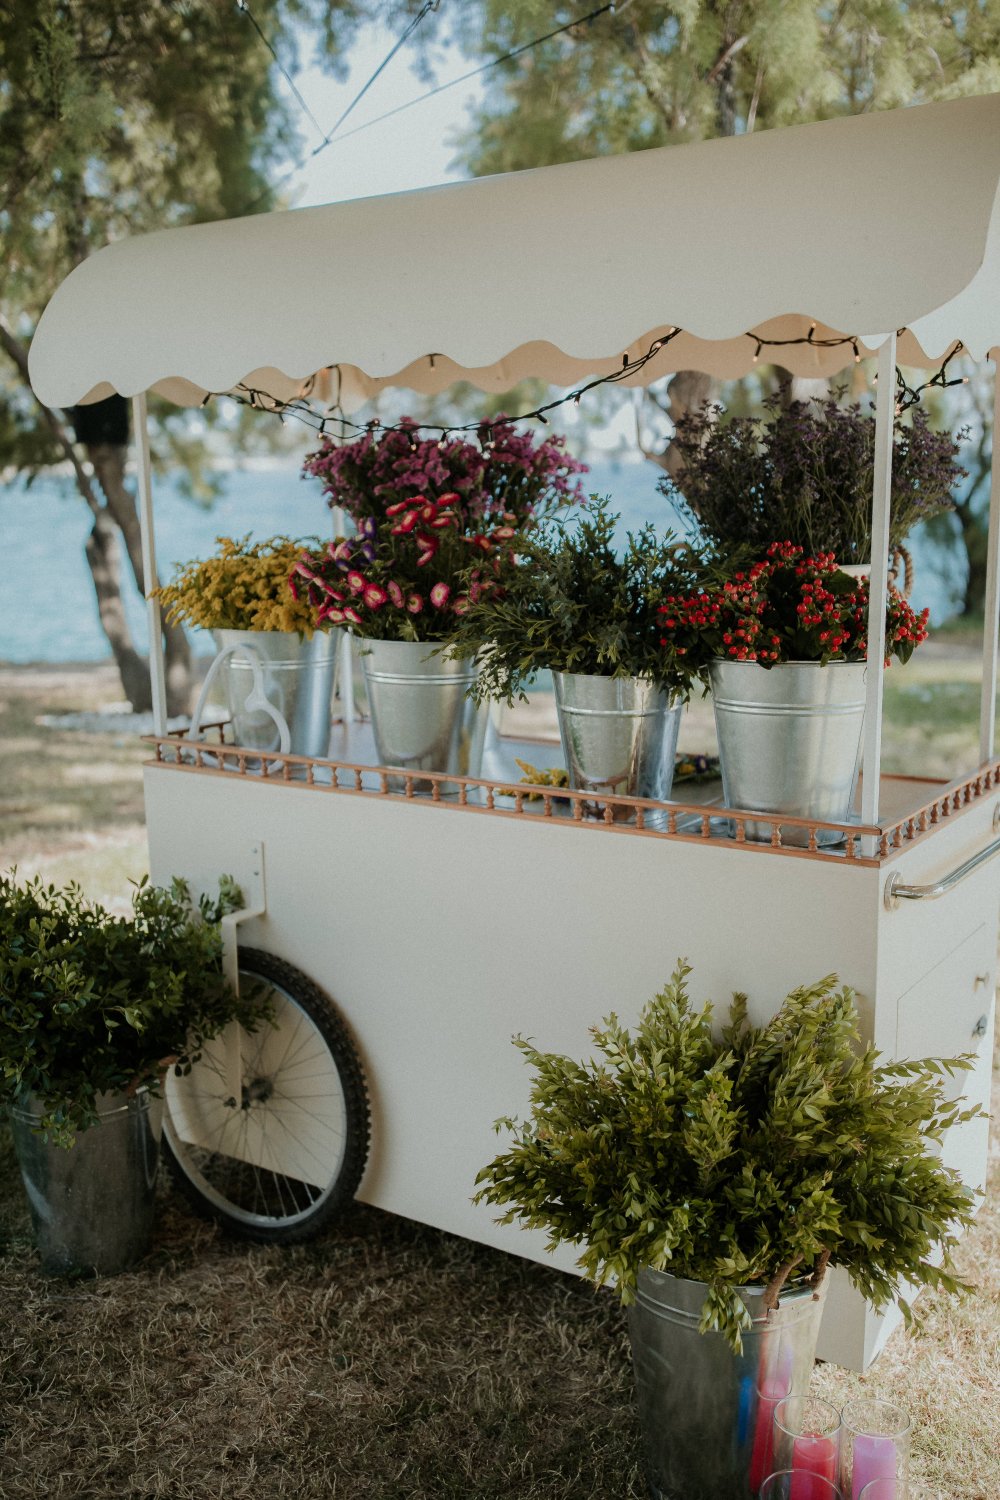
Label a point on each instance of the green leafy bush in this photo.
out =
(576, 603)
(92, 1003)
(755, 1158)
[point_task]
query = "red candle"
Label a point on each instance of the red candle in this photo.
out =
(813, 1456)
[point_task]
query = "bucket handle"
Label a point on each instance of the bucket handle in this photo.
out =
(256, 698)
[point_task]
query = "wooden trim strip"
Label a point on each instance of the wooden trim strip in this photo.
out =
(634, 816)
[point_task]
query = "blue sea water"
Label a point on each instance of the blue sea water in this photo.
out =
(47, 608)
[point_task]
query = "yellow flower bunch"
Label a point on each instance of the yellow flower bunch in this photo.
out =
(555, 776)
(244, 587)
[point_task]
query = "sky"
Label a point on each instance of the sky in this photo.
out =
(414, 149)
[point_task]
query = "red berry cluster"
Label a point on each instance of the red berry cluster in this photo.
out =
(788, 607)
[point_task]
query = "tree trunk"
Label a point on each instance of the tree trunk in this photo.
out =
(686, 391)
(974, 538)
(101, 549)
(105, 567)
(108, 460)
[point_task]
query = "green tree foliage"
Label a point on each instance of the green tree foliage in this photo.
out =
(653, 74)
(116, 119)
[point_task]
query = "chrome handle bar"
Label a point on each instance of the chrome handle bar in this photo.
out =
(895, 892)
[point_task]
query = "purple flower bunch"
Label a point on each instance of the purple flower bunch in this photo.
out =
(805, 471)
(505, 473)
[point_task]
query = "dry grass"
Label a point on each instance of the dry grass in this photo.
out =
(386, 1360)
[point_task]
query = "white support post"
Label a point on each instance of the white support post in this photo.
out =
(991, 613)
(885, 414)
(157, 672)
(347, 705)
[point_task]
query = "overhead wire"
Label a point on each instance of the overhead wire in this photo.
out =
(243, 6)
(475, 72)
(331, 136)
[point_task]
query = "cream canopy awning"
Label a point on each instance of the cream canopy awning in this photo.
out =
(866, 224)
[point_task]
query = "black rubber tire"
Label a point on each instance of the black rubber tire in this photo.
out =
(251, 1201)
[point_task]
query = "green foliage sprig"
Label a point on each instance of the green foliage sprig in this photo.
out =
(577, 603)
(92, 1003)
(755, 1158)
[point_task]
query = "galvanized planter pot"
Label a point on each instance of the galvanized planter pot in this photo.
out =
(706, 1412)
(92, 1203)
(619, 734)
(789, 739)
(422, 716)
(297, 681)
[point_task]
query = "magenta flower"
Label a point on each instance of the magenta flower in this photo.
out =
(352, 615)
(374, 596)
(415, 604)
(396, 594)
(355, 581)
(440, 594)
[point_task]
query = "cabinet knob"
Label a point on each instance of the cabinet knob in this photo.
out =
(981, 979)
(980, 1027)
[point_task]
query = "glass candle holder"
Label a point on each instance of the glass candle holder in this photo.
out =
(807, 1442)
(874, 1444)
(900, 1489)
(785, 1485)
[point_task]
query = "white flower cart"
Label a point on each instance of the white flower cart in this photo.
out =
(441, 919)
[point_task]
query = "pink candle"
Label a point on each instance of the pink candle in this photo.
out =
(772, 1390)
(813, 1456)
(873, 1458)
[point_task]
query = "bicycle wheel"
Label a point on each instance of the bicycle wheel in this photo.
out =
(279, 1162)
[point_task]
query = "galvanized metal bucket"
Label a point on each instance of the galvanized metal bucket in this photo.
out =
(297, 682)
(619, 735)
(422, 717)
(790, 740)
(706, 1412)
(92, 1202)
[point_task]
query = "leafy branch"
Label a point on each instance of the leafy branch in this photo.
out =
(760, 1157)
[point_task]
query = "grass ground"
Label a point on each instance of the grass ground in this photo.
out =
(385, 1361)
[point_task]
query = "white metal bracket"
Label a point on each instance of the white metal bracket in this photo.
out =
(255, 898)
(255, 905)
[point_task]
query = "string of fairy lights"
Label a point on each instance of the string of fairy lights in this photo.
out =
(335, 423)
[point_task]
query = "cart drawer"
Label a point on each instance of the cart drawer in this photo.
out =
(950, 1012)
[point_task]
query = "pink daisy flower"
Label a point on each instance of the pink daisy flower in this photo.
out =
(396, 595)
(440, 594)
(374, 596)
(355, 581)
(415, 604)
